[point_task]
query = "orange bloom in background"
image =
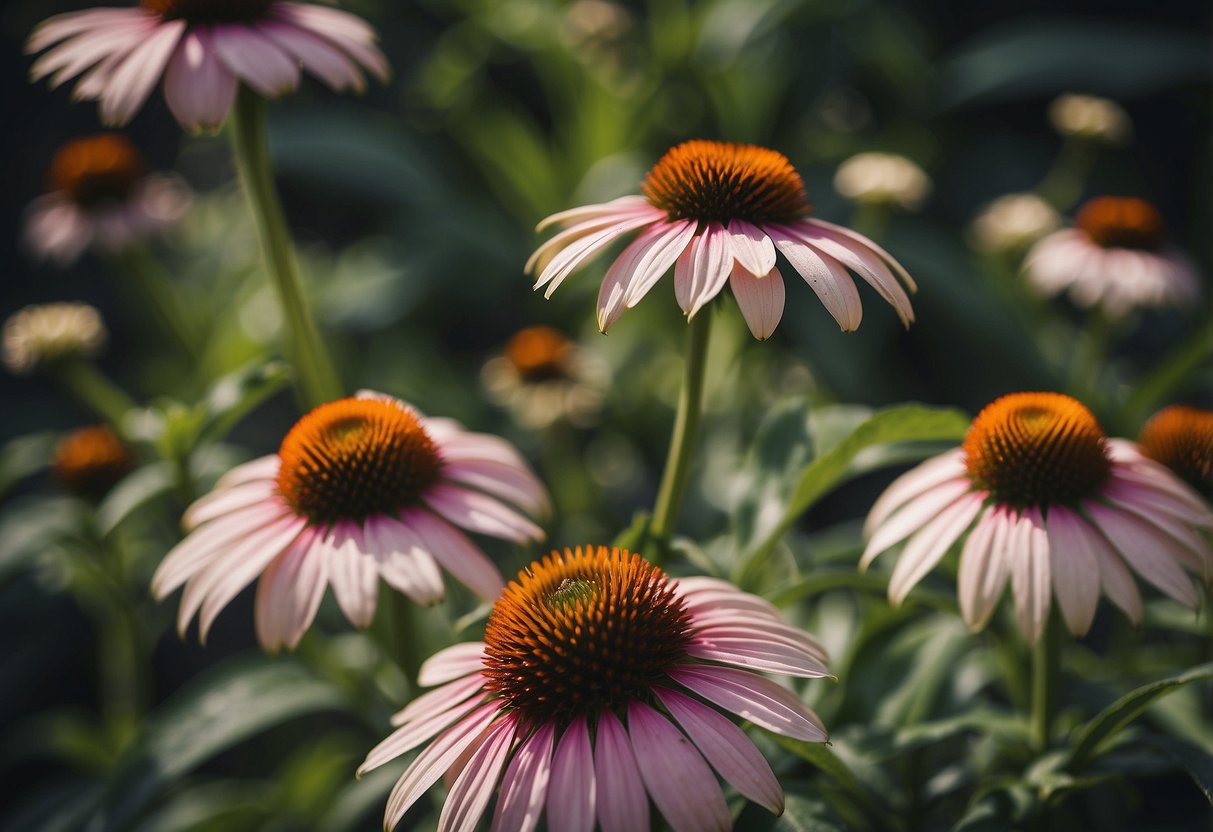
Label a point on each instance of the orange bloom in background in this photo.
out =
(542, 377)
(91, 460)
(1181, 438)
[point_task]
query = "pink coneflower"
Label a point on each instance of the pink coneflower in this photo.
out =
(717, 212)
(361, 488)
(1181, 438)
(204, 49)
(1116, 257)
(593, 693)
(1060, 509)
(101, 194)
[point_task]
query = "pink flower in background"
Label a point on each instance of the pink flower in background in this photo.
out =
(101, 195)
(718, 212)
(361, 489)
(598, 687)
(1060, 510)
(203, 49)
(1116, 257)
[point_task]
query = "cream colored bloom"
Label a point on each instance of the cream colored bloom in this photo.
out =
(882, 179)
(1088, 117)
(38, 335)
(1013, 222)
(542, 377)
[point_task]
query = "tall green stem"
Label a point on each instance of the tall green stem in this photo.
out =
(686, 425)
(1046, 672)
(315, 377)
(155, 287)
(93, 390)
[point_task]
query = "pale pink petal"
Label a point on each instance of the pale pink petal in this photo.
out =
(417, 732)
(350, 32)
(440, 699)
(455, 552)
(403, 561)
(747, 625)
(202, 546)
(752, 697)
(1030, 576)
(255, 59)
(623, 805)
(760, 299)
(63, 26)
(542, 256)
(1156, 502)
(1191, 548)
(751, 247)
(317, 55)
(674, 773)
(458, 445)
(508, 482)
(113, 41)
(198, 88)
(702, 269)
(221, 502)
(758, 654)
(131, 82)
(1116, 580)
(702, 594)
(825, 277)
(927, 547)
(56, 229)
(624, 205)
(433, 761)
(914, 515)
(469, 797)
(452, 663)
(638, 268)
(1147, 550)
(856, 237)
(480, 513)
(863, 261)
(581, 251)
(727, 748)
(572, 795)
(935, 471)
(985, 566)
(289, 593)
(262, 468)
(1075, 567)
(524, 788)
(353, 573)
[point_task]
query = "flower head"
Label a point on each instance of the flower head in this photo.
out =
(717, 212)
(544, 377)
(1181, 438)
(1089, 117)
(1013, 222)
(1115, 257)
(42, 335)
(882, 179)
(101, 194)
(91, 460)
(1040, 496)
(361, 488)
(598, 687)
(203, 49)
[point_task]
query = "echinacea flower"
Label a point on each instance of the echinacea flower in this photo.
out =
(41, 335)
(718, 212)
(91, 460)
(1090, 117)
(882, 179)
(1041, 497)
(542, 376)
(1181, 438)
(598, 687)
(101, 194)
(203, 49)
(361, 488)
(1116, 257)
(1013, 222)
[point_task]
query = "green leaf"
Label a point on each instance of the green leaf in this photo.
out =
(236, 394)
(223, 707)
(28, 527)
(1195, 760)
(822, 757)
(802, 813)
(997, 809)
(906, 423)
(23, 456)
(1090, 738)
(135, 491)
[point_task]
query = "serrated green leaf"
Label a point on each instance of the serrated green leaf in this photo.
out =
(1094, 735)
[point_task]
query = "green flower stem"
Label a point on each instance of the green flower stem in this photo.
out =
(1090, 357)
(93, 390)
(1063, 184)
(316, 378)
(1046, 672)
(154, 286)
(403, 638)
(686, 425)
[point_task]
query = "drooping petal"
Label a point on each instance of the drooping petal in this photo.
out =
(702, 269)
(985, 566)
(760, 299)
(262, 468)
(403, 561)
(752, 697)
(217, 503)
(639, 267)
(506, 482)
(347, 31)
(470, 794)
(451, 663)
(623, 205)
(353, 573)
(132, 81)
(255, 59)
(623, 805)
(480, 513)
(923, 477)
(889, 260)
(416, 732)
(572, 795)
(581, 251)
(863, 261)
(317, 55)
(455, 552)
(927, 547)
(674, 773)
(1030, 575)
(914, 515)
(198, 88)
(289, 594)
(727, 748)
(1150, 552)
(1074, 566)
(440, 699)
(751, 247)
(524, 788)
(63, 26)
(825, 277)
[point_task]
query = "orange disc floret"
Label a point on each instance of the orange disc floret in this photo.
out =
(705, 180)
(91, 460)
(1032, 449)
(538, 353)
(209, 11)
(97, 168)
(353, 458)
(1181, 438)
(1122, 222)
(583, 630)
